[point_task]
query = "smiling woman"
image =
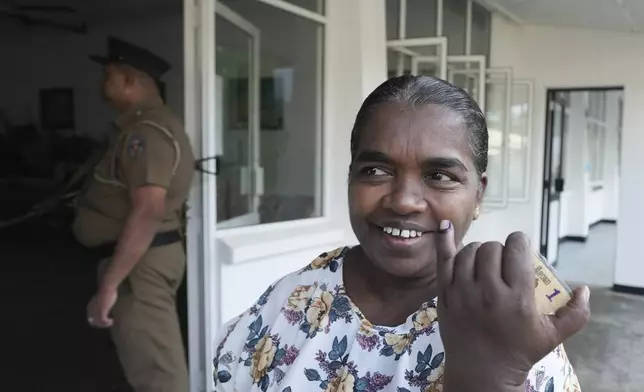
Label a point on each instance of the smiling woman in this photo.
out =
(365, 318)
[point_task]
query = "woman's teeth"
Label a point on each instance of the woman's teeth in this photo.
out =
(404, 233)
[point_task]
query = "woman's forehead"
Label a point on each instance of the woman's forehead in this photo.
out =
(427, 130)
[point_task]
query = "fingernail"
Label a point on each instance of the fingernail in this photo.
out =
(444, 226)
(586, 294)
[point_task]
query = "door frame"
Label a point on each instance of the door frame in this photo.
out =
(546, 194)
(203, 281)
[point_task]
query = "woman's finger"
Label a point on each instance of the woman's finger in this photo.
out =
(445, 252)
(488, 263)
(464, 263)
(517, 265)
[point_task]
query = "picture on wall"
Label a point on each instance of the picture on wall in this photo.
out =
(57, 109)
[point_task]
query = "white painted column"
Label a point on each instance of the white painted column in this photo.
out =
(357, 64)
(629, 268)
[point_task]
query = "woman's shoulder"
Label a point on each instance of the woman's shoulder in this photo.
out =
(324, 269)
(277, 315)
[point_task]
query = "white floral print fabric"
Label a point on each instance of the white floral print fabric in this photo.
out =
(305, 334)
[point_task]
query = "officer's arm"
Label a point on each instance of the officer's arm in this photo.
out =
(147, 161)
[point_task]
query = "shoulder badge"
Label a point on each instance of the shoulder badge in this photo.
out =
(135, 146)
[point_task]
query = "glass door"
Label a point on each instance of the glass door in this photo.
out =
(237, 128)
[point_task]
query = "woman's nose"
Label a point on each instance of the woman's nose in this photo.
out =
(406, 197)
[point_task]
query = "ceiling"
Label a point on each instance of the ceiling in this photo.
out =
(98, 10)
(616, 15)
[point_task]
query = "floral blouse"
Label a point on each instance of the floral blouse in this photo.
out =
(304, 334)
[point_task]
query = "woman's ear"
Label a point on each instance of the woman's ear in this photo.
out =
(481, 188)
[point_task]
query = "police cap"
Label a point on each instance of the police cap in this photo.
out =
(119, 51)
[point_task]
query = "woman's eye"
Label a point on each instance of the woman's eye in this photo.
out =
(374, 172)
(439, 177)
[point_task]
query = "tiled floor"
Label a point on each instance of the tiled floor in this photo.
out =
(590, 262)
(608, 355)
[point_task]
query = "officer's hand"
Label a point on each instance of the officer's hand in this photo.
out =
(99, 307)
(489, 323)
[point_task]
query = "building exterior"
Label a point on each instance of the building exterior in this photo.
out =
(271, 90)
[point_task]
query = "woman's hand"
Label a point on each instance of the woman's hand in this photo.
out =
(489, 324)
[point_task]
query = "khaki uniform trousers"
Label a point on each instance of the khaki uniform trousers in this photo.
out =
(146, 329)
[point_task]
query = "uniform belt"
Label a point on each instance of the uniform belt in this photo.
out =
(106, 251)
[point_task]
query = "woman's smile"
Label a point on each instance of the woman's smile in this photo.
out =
(401, 236)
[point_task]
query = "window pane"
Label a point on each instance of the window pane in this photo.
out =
(421, 18)
(270, 114)
(427, 67)
(481, 30)
(454, 20)
(465, 76)
(496, 109)
(233, 69)
(393, 19)
(394, 58)
(518, 141)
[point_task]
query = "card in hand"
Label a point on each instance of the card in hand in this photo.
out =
(551, 293)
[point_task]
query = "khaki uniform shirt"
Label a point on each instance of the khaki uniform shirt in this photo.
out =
(148, 146)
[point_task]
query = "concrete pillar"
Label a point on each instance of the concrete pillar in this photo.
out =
(356, 64)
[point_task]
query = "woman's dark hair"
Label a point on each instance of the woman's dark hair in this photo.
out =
(417, 91)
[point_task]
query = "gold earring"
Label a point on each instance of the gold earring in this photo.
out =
(477, 212)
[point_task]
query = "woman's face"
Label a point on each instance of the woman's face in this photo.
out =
(413, 168)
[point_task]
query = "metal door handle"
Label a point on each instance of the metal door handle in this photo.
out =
(559, 185)
(199, 165)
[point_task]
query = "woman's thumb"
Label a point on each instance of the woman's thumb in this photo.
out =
(574, 316)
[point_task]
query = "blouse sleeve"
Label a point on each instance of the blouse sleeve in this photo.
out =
(554, 373)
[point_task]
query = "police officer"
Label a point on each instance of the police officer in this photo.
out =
(130, 214)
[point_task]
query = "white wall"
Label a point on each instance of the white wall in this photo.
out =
(555, 57)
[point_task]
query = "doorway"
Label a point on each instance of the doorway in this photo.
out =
(581, 182)
(51, 119)
(553, 181)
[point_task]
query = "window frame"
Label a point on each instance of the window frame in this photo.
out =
(322, 192)
(525, 196)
